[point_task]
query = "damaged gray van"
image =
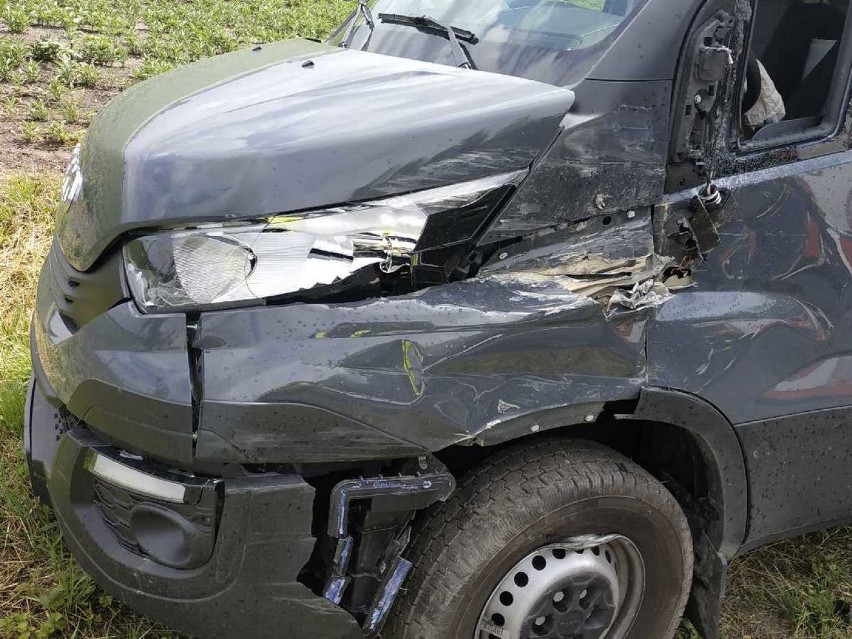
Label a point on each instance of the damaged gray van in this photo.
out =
(501, 319)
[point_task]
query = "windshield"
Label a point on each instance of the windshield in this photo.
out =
(553, 41)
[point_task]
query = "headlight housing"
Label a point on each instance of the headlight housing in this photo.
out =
(243, 263)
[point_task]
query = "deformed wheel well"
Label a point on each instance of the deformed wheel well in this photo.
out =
(679, 439)
(692, 450)
(670, 453)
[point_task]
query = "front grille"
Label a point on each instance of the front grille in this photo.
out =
(115, 505)
(81, 297)
(64, 421)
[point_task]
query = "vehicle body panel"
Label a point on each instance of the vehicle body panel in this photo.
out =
(766, 338)
(610, 156)
(249, 144)
(264, 539)
(447, 365)
(750, 354)
(121, 372)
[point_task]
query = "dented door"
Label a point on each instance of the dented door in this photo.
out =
(765, 331)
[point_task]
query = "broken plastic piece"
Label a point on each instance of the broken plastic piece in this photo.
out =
(386, 595)
(411, 493)
(335, 589)
(339, 580)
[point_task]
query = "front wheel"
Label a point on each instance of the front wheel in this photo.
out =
(557, 539)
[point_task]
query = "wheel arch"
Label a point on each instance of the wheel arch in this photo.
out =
(721, 451)
(650, 430)
(658, 409)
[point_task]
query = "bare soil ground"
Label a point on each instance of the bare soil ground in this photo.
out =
(19, 152)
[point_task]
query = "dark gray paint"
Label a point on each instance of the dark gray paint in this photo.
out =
(761, 343)
(649, 48)
(766, 336)
(98, 207)
(458, 361)
(212, 151)
(217, 153)
(268, 141)
(123, 372)
(609, 157)
(799, 471)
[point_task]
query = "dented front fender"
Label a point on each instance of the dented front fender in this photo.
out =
(521, 348)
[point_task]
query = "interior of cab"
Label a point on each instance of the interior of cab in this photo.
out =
(572, 24)
(792, 58)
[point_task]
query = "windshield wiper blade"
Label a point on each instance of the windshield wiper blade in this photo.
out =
(364, 10)
(453, 34)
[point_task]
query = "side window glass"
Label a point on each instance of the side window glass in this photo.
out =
(796, 71)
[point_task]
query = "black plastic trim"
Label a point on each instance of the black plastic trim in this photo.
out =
(264, 540)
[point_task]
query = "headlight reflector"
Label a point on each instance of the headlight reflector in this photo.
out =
(218, 266)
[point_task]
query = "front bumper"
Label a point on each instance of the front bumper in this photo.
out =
(246, 584)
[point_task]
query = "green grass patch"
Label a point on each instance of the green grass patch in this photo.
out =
(43, 592)
(104, 46)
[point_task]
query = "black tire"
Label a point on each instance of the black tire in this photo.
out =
(526, 497)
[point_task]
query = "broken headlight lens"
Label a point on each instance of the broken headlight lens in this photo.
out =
(219, 266)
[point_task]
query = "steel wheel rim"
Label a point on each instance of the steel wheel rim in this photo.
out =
(588, 587)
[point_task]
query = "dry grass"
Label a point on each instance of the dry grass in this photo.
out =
(800, 588)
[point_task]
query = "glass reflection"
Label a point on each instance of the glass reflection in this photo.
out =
(553, 41)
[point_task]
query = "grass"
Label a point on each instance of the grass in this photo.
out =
(104, 46)
(61, 60)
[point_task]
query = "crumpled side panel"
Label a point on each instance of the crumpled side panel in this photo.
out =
(458, 363)
(765, 337)
(609, 157)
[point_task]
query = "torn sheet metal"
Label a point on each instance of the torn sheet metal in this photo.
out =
(618, 236)
(615, 266)
(386, 595)
(609, 157)
(598, 278)
(532, 343)
(645, 294)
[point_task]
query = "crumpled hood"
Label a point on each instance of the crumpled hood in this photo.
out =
(293, 126)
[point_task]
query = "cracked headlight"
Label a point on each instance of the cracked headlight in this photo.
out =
(231, 265)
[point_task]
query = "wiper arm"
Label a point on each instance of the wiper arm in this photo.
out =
(453, 34)
(364, 10)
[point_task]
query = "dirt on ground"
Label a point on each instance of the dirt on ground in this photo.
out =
(20, 153)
